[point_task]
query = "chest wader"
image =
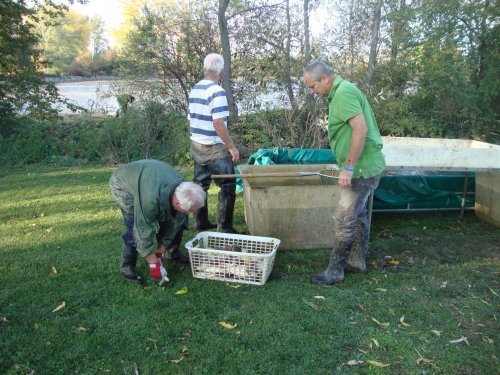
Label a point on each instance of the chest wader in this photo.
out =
(201, 217)
(129, 251)
(129, 261)
(225, 210)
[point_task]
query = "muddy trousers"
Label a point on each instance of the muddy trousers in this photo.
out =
(351, 226)
(226, 196)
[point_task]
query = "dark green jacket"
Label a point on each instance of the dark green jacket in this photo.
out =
(152, 183)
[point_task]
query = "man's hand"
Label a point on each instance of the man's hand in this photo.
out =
(235, 154)
(160, 251)
(345, 178)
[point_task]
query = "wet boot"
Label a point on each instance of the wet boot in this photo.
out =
(225, 210)
(173, 252)
(129, 261)
(335, 270)
(176, 255)
(356, 262)
(201, 218)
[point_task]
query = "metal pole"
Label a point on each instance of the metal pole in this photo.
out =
(464, 194)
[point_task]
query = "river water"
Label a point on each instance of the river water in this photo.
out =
(95, 96)
(91, 95)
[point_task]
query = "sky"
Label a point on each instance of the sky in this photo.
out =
(108, 10)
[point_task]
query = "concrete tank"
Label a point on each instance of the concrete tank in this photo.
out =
(433, 154)
(297, 210)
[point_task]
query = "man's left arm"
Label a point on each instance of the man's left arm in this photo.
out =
(169, 229)
(356, 145)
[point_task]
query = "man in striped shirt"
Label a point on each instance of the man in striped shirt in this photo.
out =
(212, 147)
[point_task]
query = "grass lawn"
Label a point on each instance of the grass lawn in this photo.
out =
(65, 309)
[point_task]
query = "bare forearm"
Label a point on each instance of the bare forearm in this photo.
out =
(357, 143)
(223, 133)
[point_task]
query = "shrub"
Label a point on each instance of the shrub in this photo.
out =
(146, 131)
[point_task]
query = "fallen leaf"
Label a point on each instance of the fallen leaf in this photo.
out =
(36, 326)
(4, 319)
(353, 362)
(381, 290)
(319, 297)
(182, 291)
(392, 312)
(310, 304)
(461, 339)
(402, 321)
(493, 292)
(487, 340)
(227, 325)
(377, 364)
(234, 286)
(436, 332)
(444, 285)
(382, 325)
(177, 360)
(411, 288)
(53, 271)
(81, 329)
(375, 342)
(393, 262)
(422, 359)
(61, 306)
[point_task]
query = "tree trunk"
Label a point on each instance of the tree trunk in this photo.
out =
(374, 43)
(288, 64)
(307, 42)
(397, 30)
(483, 48)
(226, 53)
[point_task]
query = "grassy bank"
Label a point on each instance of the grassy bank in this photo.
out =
(64, 308)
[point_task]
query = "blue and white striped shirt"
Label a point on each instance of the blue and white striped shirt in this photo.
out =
(207, 102)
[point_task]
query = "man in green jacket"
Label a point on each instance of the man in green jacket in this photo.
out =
(155, 201)
(356, 142)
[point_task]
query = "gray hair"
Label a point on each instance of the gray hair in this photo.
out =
(317, 68)
(213, 63)
(190, 195)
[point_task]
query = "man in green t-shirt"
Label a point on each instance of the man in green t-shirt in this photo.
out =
(155, 201)
(357, 145)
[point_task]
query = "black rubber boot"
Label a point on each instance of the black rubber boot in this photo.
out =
(335, 271)
(225, 210)
(201, 218)
(129, 261)
(356, 262)
(175, 254)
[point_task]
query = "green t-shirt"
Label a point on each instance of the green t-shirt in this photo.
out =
(346, 101)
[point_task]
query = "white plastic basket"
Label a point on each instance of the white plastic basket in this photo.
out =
(213, 256)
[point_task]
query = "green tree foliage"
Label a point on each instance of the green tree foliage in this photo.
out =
(65, 41)
(169, 42)
(22, 88)
(444, 72)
